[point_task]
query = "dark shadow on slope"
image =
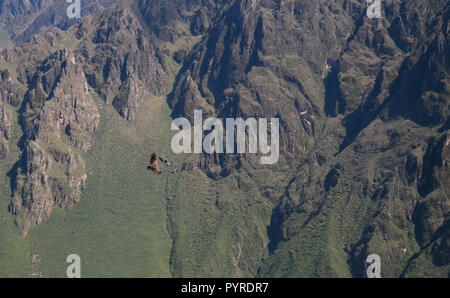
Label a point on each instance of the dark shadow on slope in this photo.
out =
(258, 37)
(334, 104)
(355, 122)
(23, 123)
(358, 254)
(440, 233)
(274, 230)
(432, 158)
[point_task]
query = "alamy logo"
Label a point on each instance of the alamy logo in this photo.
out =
(374, 269)
(374, 9)
(74, 9)
(239, 129)
(74, 270)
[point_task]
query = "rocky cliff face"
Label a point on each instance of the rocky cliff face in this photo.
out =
(5, 127)
(57, 106)
(356, 99)
(120, 60)
(10, 94)
(257, 60)
(379, 89)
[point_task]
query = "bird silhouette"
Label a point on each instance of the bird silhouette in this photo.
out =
(154, 165)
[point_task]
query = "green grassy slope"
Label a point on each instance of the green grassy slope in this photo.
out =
(119, 227)
(229, 241)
